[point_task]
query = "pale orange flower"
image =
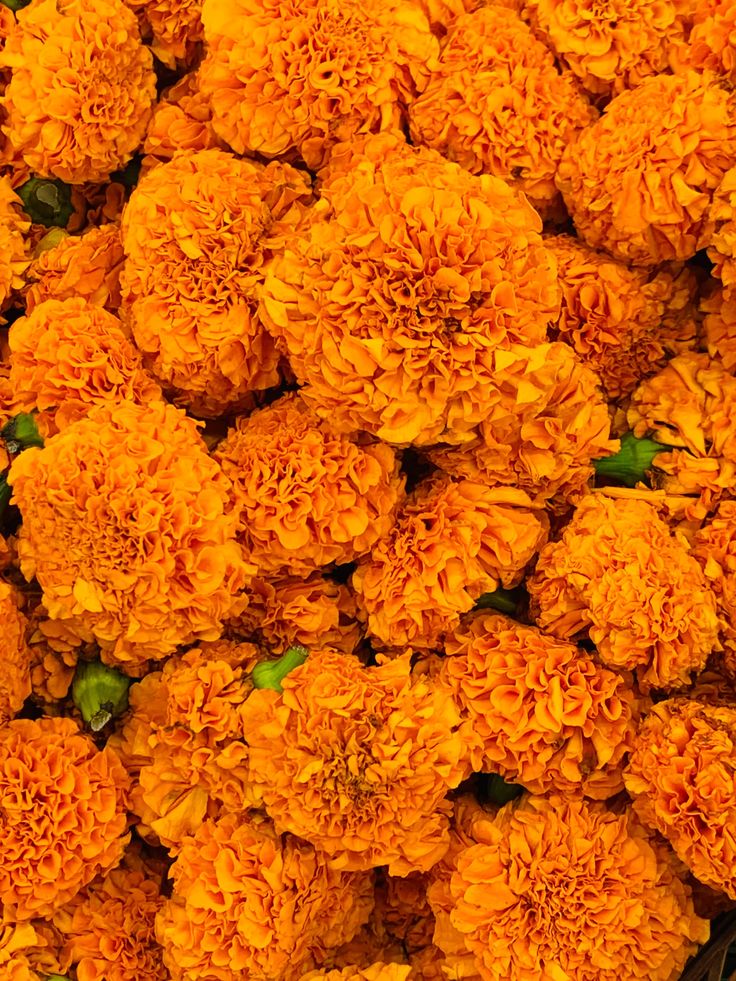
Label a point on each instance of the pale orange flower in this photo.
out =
(127, 530)
(175, 26)
(15, 656)
(498, 104)
(16, 258)
(357, 760)
(715, 549)
(192, 273)
(620, 576)
(408, 277)
(182, 120)
(79, 100)
(453, 541)
(682, 780)
(639, 183)
(295, 79)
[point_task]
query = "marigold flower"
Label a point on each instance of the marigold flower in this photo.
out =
(410, 274)
(20, 945)
(681, 777)
(710, 43)
(715, 549)
(453, 541)
(52, 672)
(639, 182)
(538, 710)
(249, 903)
(619, 575)
(13, 247)
(126, 528)
(15, 657)
(378, 971)
(295, 80)
(531, 897)
(62, 814)
(497, 104)
(357, 761)
(719, 326)
(79, 100)
(182, 120)
(176, 28)
(192, 272)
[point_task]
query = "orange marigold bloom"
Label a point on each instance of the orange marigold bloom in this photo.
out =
(712, 39)
(453, 540)
(549, 422)
(85, 266)
(531, 897)
(621, 321)
(409, 275)
(175, 26)
(715, 549)
(619, 575)
(181, 121)
(80, 96)
(62, 814)
(192, 272)
(497, 104)
(539, 711)
(357, 760)
(722, 250)
(305, 496)
(15, 656)
(378, 971)
(682, 779)
(126, 528)
(297, 78)
(639, 182)
(719, 326)
(14, 226)
(249, 903)
(20, 944)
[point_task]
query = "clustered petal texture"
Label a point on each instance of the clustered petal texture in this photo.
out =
(126, 528)
(175, 26)
(715, 548)
(620, 576)
(396, 297)
(80, 97)
(197, 233)
(15, 656)
(681, 777)
(14, 253)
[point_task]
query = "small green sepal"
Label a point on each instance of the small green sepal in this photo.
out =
(100, 693)
(20, 433)
(632, 463)
(46, 201)
(270, 674)
(504, 600)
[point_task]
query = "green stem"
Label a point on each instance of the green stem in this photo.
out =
(504, 600)
(270, 674)
(15, 5)
(500, 792)
(633, 462)
(6, 492)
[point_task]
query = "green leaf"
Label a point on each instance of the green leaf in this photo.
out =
(632, 463)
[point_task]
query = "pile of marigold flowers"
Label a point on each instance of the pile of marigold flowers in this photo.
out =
(367, 489)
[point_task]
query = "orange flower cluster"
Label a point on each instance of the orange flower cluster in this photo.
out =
(15, 656)
(408, 277)
(181, 121)
(192, 270)
(13, 246)
(715, 548)
(453, 540)
(620, 576)
(126, 528)
(175, 26)
(497, 104)
(376, 972)
(357, 761)
(722, 250)
(80, 96)
(295, 79)
(20, 947)
(719, 327)
(681, 776)
(710, 44)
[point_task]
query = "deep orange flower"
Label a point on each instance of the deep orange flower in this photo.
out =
(378, 971)
(563, 888)
(304, 496)
(176, 28)
(13, 247)
(681, 777)
(80, 96)
(126, 528)
(710, 43)
(15, 656)
(357, 760)
(249, 903)
(549, 422)
(453, 540)
(182, 120)
(294, 79)
(192, 271)
(497, 104)
(539, 712)
(621, 321)
(639, 183)
(722, 250)
(719, 326)
(619, 575)
(62, 814)
(715, 549)
(410, 275)
(20, 945)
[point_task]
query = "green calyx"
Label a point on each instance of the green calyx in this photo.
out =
(15, 5)
(504, 600)
(633, 462)
(270, 674)
(21, 433)
(100, 693)
(46, 201)
(499, 792)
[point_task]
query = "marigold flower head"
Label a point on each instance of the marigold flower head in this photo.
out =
(719, 326)
(619, 575)
(79, 100)
(62, 814)
(531, 898)
(539, 711)
(715, 549)
(126, 528)
(13, 247)
(297, 78)
(357, 760)
(453, 541)
(20, 947)
(304, 496)
(52, 672)
(710, 42)
(249, 903)
(175, 26)
(378, 971)
(681, 777)
(181, 121)
(409, 275)
(497, 104)
(639, 183)
(722, 250)
(15, 656)
(196, 232)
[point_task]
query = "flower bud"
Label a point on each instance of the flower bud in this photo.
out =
(100, 693)
(270, 674)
